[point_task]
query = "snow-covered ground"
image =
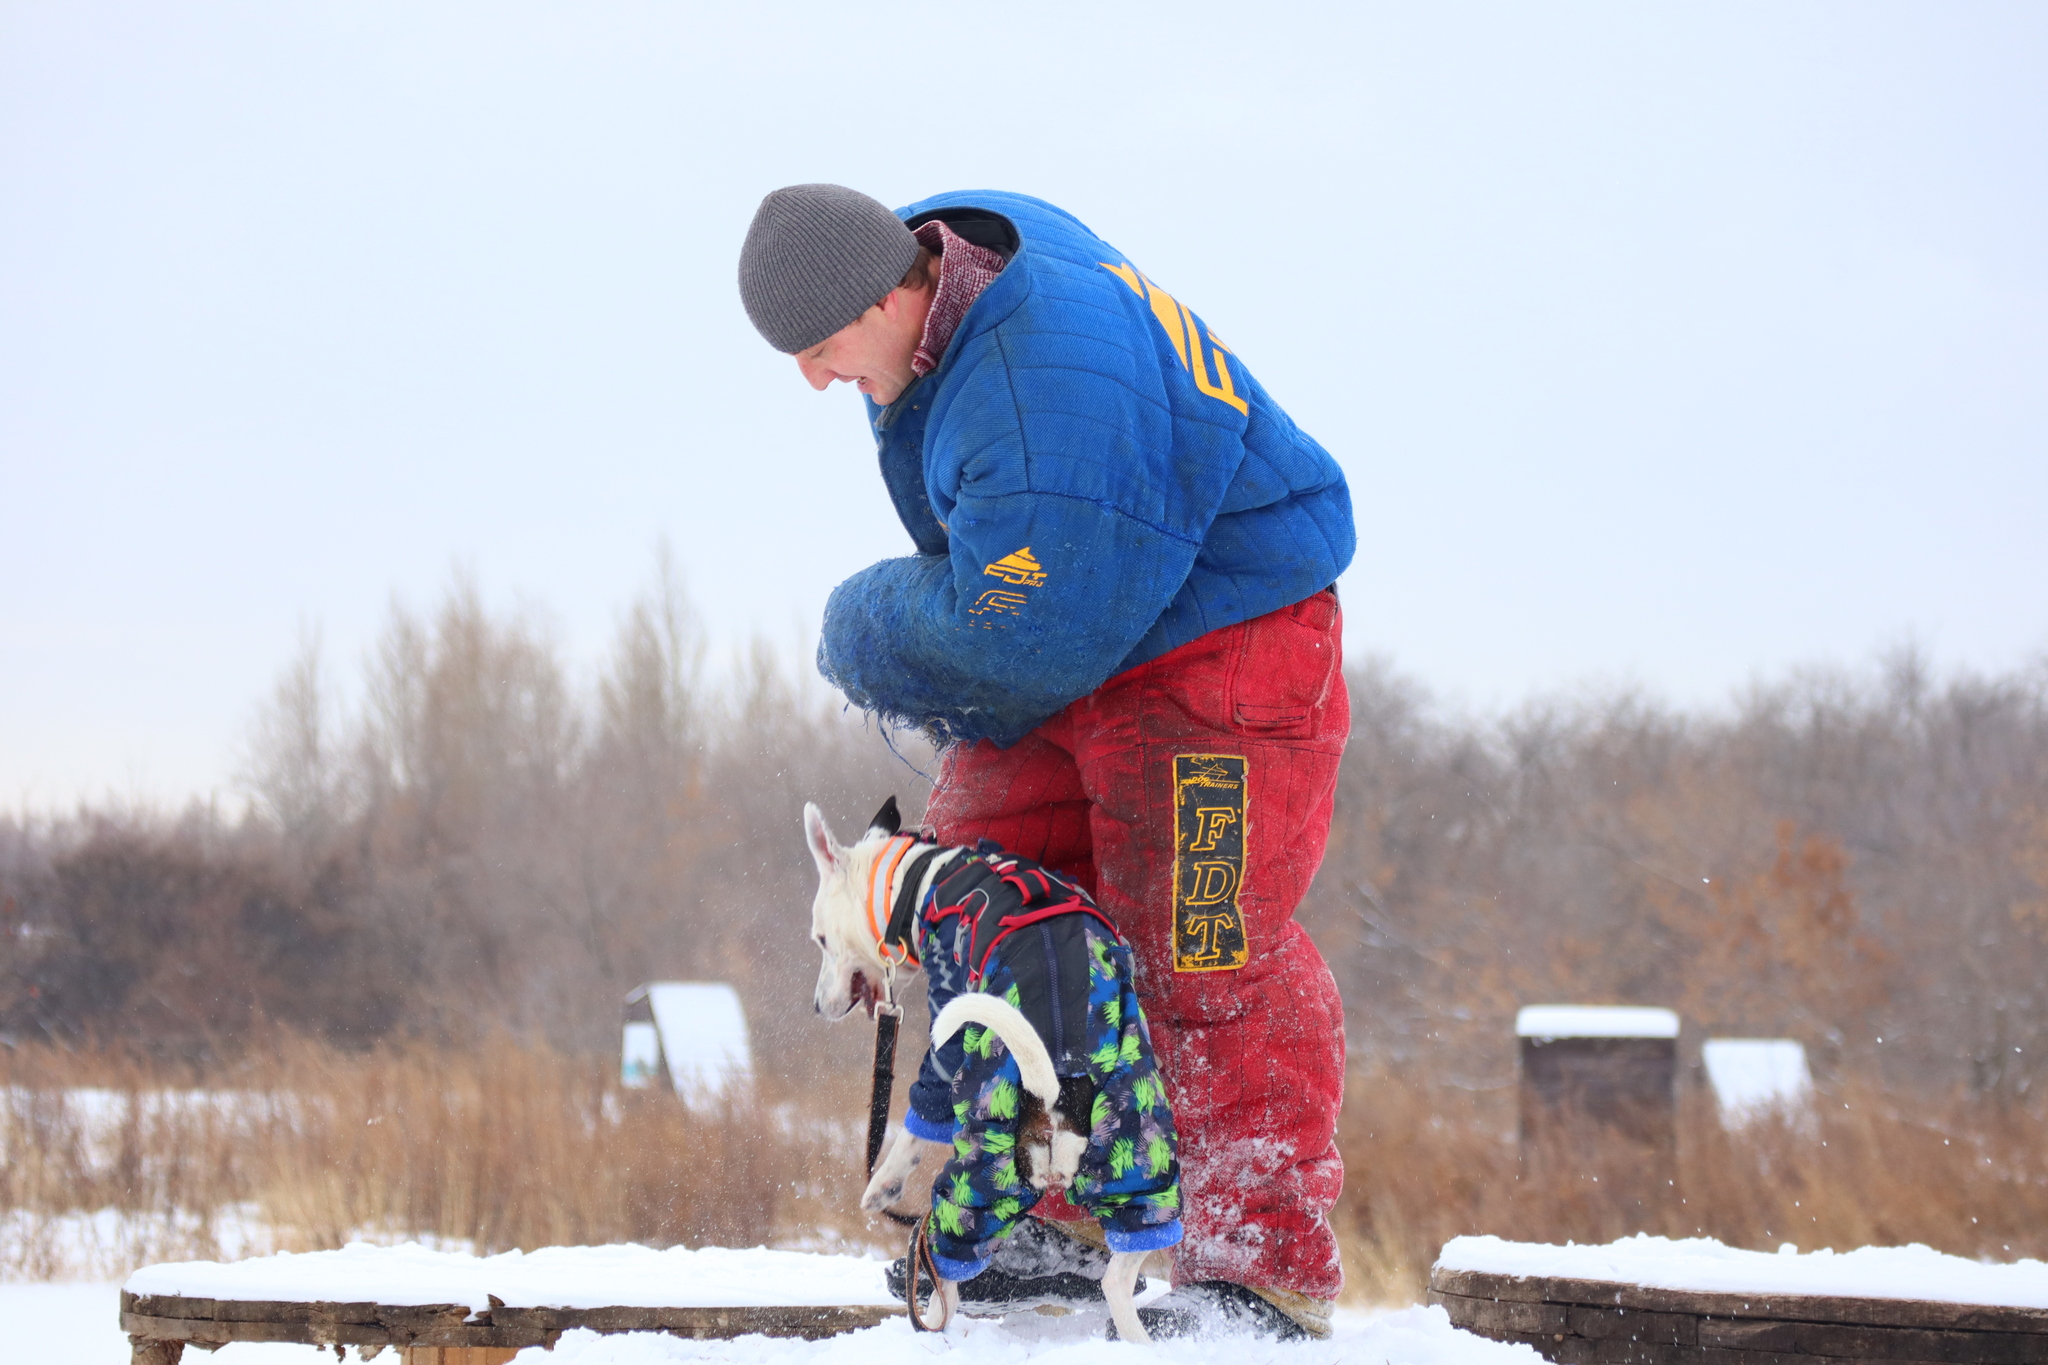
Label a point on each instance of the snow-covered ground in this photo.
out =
(1411, 1336)
(552, 1277)
(80, 1324)
(101, 1244)
(86, 1247)
(48, 1323)
(99, 1119)
(76, 1324)
(592, 1277)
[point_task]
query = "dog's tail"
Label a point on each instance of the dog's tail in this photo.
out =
(1010, 1025)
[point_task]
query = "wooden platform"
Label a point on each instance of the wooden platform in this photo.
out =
(161, 1326)
(1602, 1322)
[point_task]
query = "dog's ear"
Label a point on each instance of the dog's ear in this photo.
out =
(824, 848)
(888, 819)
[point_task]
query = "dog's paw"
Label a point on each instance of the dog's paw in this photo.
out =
(946, 1306)
(882, 1192)
(892, 1173)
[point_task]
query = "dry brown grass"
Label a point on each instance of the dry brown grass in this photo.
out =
(1425, 1163)
(513, 1145)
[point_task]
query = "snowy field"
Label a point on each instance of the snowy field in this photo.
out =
(75, 1324)
(592, 1277)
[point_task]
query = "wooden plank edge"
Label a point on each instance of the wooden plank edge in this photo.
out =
(810, 1322)
(780, 1320)
(1843, 1310)
(1487, 1316)
(279, 1310)
(166, 1305)
(213, 1332)
(510, 1327)
(1482, 1284)
(260, 1310)
(1582, 1351)
(1843, 1340)
(1508, 1320)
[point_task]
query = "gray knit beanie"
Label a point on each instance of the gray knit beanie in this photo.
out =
(816, 258)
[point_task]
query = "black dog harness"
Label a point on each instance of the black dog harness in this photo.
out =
(1027, 916)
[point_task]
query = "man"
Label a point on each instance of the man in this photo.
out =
(1120, 622)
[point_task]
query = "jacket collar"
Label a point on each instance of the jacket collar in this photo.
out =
(995, 303)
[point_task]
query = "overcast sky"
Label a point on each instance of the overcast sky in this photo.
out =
(1666, 344)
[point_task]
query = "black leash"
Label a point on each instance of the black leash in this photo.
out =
(917, 1260)
(887, 1017)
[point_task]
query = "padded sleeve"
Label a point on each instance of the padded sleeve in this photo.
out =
(1059, 560)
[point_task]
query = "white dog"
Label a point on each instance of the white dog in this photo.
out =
(849, 918)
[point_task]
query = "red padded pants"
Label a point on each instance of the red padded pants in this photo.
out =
(1253, 1056)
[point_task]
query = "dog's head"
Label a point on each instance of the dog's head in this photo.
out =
(853, 973)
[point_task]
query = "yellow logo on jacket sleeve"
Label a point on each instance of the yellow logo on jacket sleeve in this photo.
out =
(1185, 333)
(1000, 601)
(1020, 569)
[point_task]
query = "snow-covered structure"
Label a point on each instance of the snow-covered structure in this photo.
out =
(1756, 1076)
(1551, 1022)
(690, 1036)
(1599, 1103)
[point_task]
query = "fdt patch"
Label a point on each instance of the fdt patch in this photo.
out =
(1208, 865)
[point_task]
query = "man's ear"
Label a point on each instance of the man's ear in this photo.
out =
(897, 301)
(888, 820)
(824, 849)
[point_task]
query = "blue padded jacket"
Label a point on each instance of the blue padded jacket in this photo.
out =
(1090, 477)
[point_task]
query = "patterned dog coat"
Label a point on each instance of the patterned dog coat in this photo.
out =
(1001, 924)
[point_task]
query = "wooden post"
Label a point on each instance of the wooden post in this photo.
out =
(457, 1355)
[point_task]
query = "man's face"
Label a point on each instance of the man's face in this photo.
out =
(872, 352)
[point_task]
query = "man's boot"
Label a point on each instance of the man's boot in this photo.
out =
(1033, 1266)
(1217, 1308)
